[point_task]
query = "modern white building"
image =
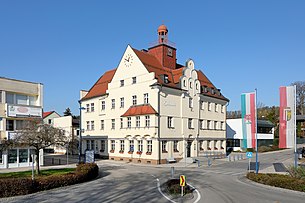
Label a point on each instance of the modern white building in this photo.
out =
(151, 109)
(19, 102)
(265, 133)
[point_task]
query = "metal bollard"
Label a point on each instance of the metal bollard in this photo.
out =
(209, 162)
(172, 172)
(198, 163)
(229, 158)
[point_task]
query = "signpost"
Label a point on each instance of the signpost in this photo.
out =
(249, 155)
(182, 183)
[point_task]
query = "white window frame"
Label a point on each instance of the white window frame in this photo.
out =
(122, 102)
(121, 83)
(92, 125)
(128, 122)
(112, 124)
(122, 123)
(164, 145)
(149, 146)
(146, 98)
(131, 143)
(112, 103)
(134, 80)
(134, 100)
(170, 122)
(102, 124)
(140, 145)
(138, 121)
(122, 145)
(88, 125)
(175, 147)
(190, 123)
(92, 107)
(87, 108)
(191, 104)
(147, 121)
(113, 145)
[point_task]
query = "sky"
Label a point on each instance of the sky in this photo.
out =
(68, 44)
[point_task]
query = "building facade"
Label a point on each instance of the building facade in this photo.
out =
(19, 101)
(265, 134)
(48, 117)
(151, 109)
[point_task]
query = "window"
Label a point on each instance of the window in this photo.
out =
(102, 124)
(202, 105)
(103, 146)
(131, 145)
(21, 99)
(146, 98)
(201, 124)
(122, 146)
(32, 100)
(1, 160)
(112, 124)
(149, 146)
(121, 83)
(196, 86)
(122, 102)
(175, 145)
(112, 103)
(128, 122)
(166, 79)
(87, 108)
(191, 85)
(92, 125)
(170, 123)
(87, 144)
(223, 108)
(23, 155)
(50, 121)
(92, 107)
(134, 80)
(121, 123)
(88, 125)
(190, 123)
(190, 102)
(20, 124)
(9, 98)
(112, 145)
(164, 146)
(213, 91)
(216, 107)
(209, 124)
(12, 156)
(138, 121)
(134, 100)
(209, 106)
(215, 125)
(205, 89)
(147, 121)
(10, 125)
(92, 145)
(222, 127)
(140, 145)
(184, 83)
(103, 105)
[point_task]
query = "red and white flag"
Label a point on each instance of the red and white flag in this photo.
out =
(287, 117)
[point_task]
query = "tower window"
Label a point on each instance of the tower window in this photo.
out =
(166, 79)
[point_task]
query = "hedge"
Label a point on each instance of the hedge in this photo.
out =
(278, 180)
(22, 186)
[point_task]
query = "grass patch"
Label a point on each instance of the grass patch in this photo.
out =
(173, 188)
(26, 174)
(278, 180)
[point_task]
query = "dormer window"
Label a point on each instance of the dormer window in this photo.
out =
(213, 91)
(191, 85)
(205, 89)
(184, 83)
(166, 79)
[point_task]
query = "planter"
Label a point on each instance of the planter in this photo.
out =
(139, 152)
(148, 153)
(111, 151)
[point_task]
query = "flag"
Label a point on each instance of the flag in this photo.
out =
(287, 117)
(248, 115)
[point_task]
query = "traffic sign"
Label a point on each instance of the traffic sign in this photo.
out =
(182, 180)
(249, 155)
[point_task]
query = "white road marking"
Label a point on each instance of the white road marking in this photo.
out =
(158, 183)
(199, 196)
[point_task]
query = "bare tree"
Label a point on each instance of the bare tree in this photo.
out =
(300, 96)
(39, 136)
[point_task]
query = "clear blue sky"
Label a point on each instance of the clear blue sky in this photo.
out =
(68, 45)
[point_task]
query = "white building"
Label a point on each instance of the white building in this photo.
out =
(151, 109)
(19, 101)
(265, 133)
(70, 126)
(48, 117)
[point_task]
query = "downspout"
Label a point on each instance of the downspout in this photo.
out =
(159, 119)
(199, 108)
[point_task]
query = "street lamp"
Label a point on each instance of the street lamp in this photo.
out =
(80, 132)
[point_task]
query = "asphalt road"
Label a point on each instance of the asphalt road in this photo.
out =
(221, 182)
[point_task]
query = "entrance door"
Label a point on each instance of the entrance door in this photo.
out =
(188, 149)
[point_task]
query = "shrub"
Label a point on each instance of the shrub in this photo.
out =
(173, 187)
(277, 180)
(22, 186)
(297, 172)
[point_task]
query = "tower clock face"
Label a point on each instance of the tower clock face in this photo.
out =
(128, 60)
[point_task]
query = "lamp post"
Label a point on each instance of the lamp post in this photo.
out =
(80, 132)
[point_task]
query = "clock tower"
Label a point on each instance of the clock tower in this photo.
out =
(163, 49)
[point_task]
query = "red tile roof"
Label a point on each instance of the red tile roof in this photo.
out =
(46, 114)
(145, 109)
(153, 65)
(100, 87)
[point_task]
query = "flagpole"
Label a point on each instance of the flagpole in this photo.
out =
(295, 126)
(256, 146)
